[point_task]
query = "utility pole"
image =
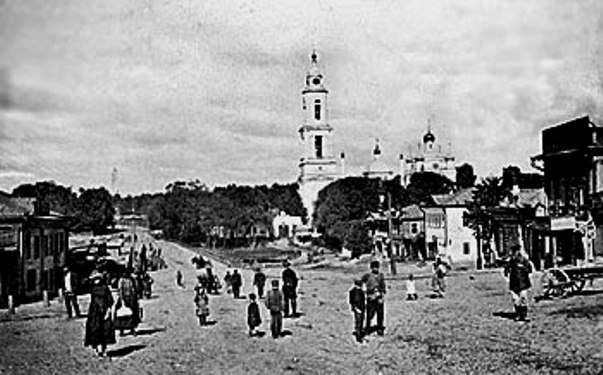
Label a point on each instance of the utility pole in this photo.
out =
(390, 234)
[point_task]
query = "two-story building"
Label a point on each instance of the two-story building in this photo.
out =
(33, 246)
(447, 234)
(572, 162)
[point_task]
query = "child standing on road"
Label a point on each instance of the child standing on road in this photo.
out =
(357, 303)
(201, 306)
(411, 291)
(253, 315)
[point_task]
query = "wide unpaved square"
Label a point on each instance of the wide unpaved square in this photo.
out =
(465, 332)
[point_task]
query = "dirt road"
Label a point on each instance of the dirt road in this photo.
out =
(462, 333)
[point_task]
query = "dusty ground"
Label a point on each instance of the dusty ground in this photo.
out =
(463, 333)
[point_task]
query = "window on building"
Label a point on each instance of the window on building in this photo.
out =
(51, 249)
(317, 110)
(414, 228)
(435, 221)
(44, 245)
(435, 166)
(36, 247)
(27, 250)
(31, 280)
(318, 146)
(466, 248)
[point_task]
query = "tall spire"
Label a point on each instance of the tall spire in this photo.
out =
(314, 57)
(377, 149)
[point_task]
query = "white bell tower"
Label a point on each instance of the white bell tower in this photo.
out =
(318, 166)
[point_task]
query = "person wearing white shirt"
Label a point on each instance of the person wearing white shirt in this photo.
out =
(69, 293)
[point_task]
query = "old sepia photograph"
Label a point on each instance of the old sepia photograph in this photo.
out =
(301, 187)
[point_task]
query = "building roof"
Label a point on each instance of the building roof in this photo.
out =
(532, 197)
(458, 198)
(411, 212)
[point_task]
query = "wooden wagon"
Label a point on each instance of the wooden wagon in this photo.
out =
(565, 281)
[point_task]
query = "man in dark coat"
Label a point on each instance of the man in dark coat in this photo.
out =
(274, 303)
(518, 270)
(290, 289)
(375, 294)
(237, 282)
(357, 303)
(259, 280)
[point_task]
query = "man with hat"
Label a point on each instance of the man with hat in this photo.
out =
(274, 303)
(290, 289)
(375, 293)
(69, 293)
(259, 280)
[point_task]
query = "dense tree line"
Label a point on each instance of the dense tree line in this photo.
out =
(89, 209)
(344, 205)
(231, 215)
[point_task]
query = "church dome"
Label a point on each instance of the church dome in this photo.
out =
(429, 137)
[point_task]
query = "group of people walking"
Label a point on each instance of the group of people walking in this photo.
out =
(280, 302)
(107, 314)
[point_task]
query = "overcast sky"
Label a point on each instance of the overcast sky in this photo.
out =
(167, 90)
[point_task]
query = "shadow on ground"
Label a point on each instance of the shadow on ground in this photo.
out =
(127, 350)
(505, 314)
(589, 312)
(149, 331)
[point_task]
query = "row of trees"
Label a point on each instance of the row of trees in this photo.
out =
(230, 216)
(89, 209)
(187, 210)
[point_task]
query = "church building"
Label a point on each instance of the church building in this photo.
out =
(428, 157)
(318, 165)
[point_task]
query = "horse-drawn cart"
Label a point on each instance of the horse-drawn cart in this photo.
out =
(562, 282)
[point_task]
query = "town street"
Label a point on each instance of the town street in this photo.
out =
(463, 332)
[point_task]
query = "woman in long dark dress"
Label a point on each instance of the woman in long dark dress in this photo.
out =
(99, 326)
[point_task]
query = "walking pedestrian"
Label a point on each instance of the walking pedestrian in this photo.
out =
(518, 270)
(128, 297)
(358, 305)
(70, 294)
(439, 277)
(274, 303)
(259, 280)
(375, 295)
(201, 306)
(179, 279)
(411, 289)
(290, 289)
(254, 319)
(99, 324)
(228, 282)
(211, 285)
(237, 283)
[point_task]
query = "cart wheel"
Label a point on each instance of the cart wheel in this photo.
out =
(558, 285)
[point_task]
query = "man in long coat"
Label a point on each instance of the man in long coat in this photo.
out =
(290, 289)
(518, 270)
